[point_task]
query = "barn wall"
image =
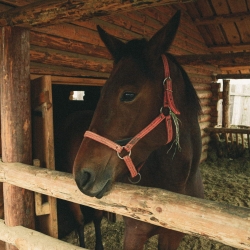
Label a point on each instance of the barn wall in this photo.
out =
(75, 49)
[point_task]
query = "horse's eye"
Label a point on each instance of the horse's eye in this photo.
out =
(128, 96)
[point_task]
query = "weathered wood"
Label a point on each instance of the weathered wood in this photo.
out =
(18, 2)
(231, 47)
(66, 44)
(69, 59)
(234, 68)
(225, 104)
(204, 118)
(228, 130)
(204, 94)
(54, 70)
(73, 80)
(16, 121)
(233, 76)
(43, 148)
(1, 77)
(44, 12)
(4, 7)
(27, 239)
(232, 59)
(222, 222)
(226, 18)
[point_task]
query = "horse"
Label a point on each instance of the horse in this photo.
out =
(145, 130)
(67, 141)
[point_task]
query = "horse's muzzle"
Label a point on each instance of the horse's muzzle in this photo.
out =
(92, 185)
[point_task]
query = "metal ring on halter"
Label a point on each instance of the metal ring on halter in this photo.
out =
(161, 110)
(135, 182)
(167, 78)
(129, 153)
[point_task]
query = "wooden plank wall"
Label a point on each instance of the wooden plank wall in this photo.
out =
(75, 49)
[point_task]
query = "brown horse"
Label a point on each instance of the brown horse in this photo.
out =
(67, 142)
(145, 129)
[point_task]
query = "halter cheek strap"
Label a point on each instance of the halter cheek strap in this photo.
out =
(168, 102)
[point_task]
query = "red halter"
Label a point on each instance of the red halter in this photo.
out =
(167, 103)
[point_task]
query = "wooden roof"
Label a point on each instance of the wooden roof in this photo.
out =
(224, 25)
(225, 28)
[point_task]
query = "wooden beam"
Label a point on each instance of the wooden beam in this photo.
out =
(229, 59)
(78, 81)
(226, 18)
(18, 2)
(230, 48)
(24, 238)
(221, 222)
(54, 70)
(68, 59)
(56, 11)
(66, 44)
(64, 80)
(16, 121)
(233, 76)
(228, 130)
(225, 104)
(234, 67)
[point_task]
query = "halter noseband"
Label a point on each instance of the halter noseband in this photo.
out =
(168, 103)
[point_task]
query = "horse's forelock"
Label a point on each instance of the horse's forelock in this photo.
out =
(136, 50)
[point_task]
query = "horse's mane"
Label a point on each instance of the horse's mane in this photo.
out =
(136, 48)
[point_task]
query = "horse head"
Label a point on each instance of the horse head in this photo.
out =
(130, 100)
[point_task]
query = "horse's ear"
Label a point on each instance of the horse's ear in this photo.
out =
(114, 45)
(162, 40)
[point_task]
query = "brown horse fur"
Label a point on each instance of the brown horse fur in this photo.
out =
(130, 100)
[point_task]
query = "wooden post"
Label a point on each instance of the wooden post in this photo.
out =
(16, 121)
(225, 94)
(214, 102)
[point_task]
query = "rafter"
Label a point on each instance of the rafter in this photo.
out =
(234, 68)
(226, 60)
(56, 11)
(231, 47)
(234, 17)
(233, 76)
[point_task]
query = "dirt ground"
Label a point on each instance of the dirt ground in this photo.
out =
(225, 180)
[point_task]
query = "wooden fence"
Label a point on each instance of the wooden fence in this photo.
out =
(221, 222)
(238, 136)
(27, 239)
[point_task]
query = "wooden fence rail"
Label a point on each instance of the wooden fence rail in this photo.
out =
(217, 221)
(238, 136)
(27, 239)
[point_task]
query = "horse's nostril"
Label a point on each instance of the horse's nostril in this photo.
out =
(83, 178)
